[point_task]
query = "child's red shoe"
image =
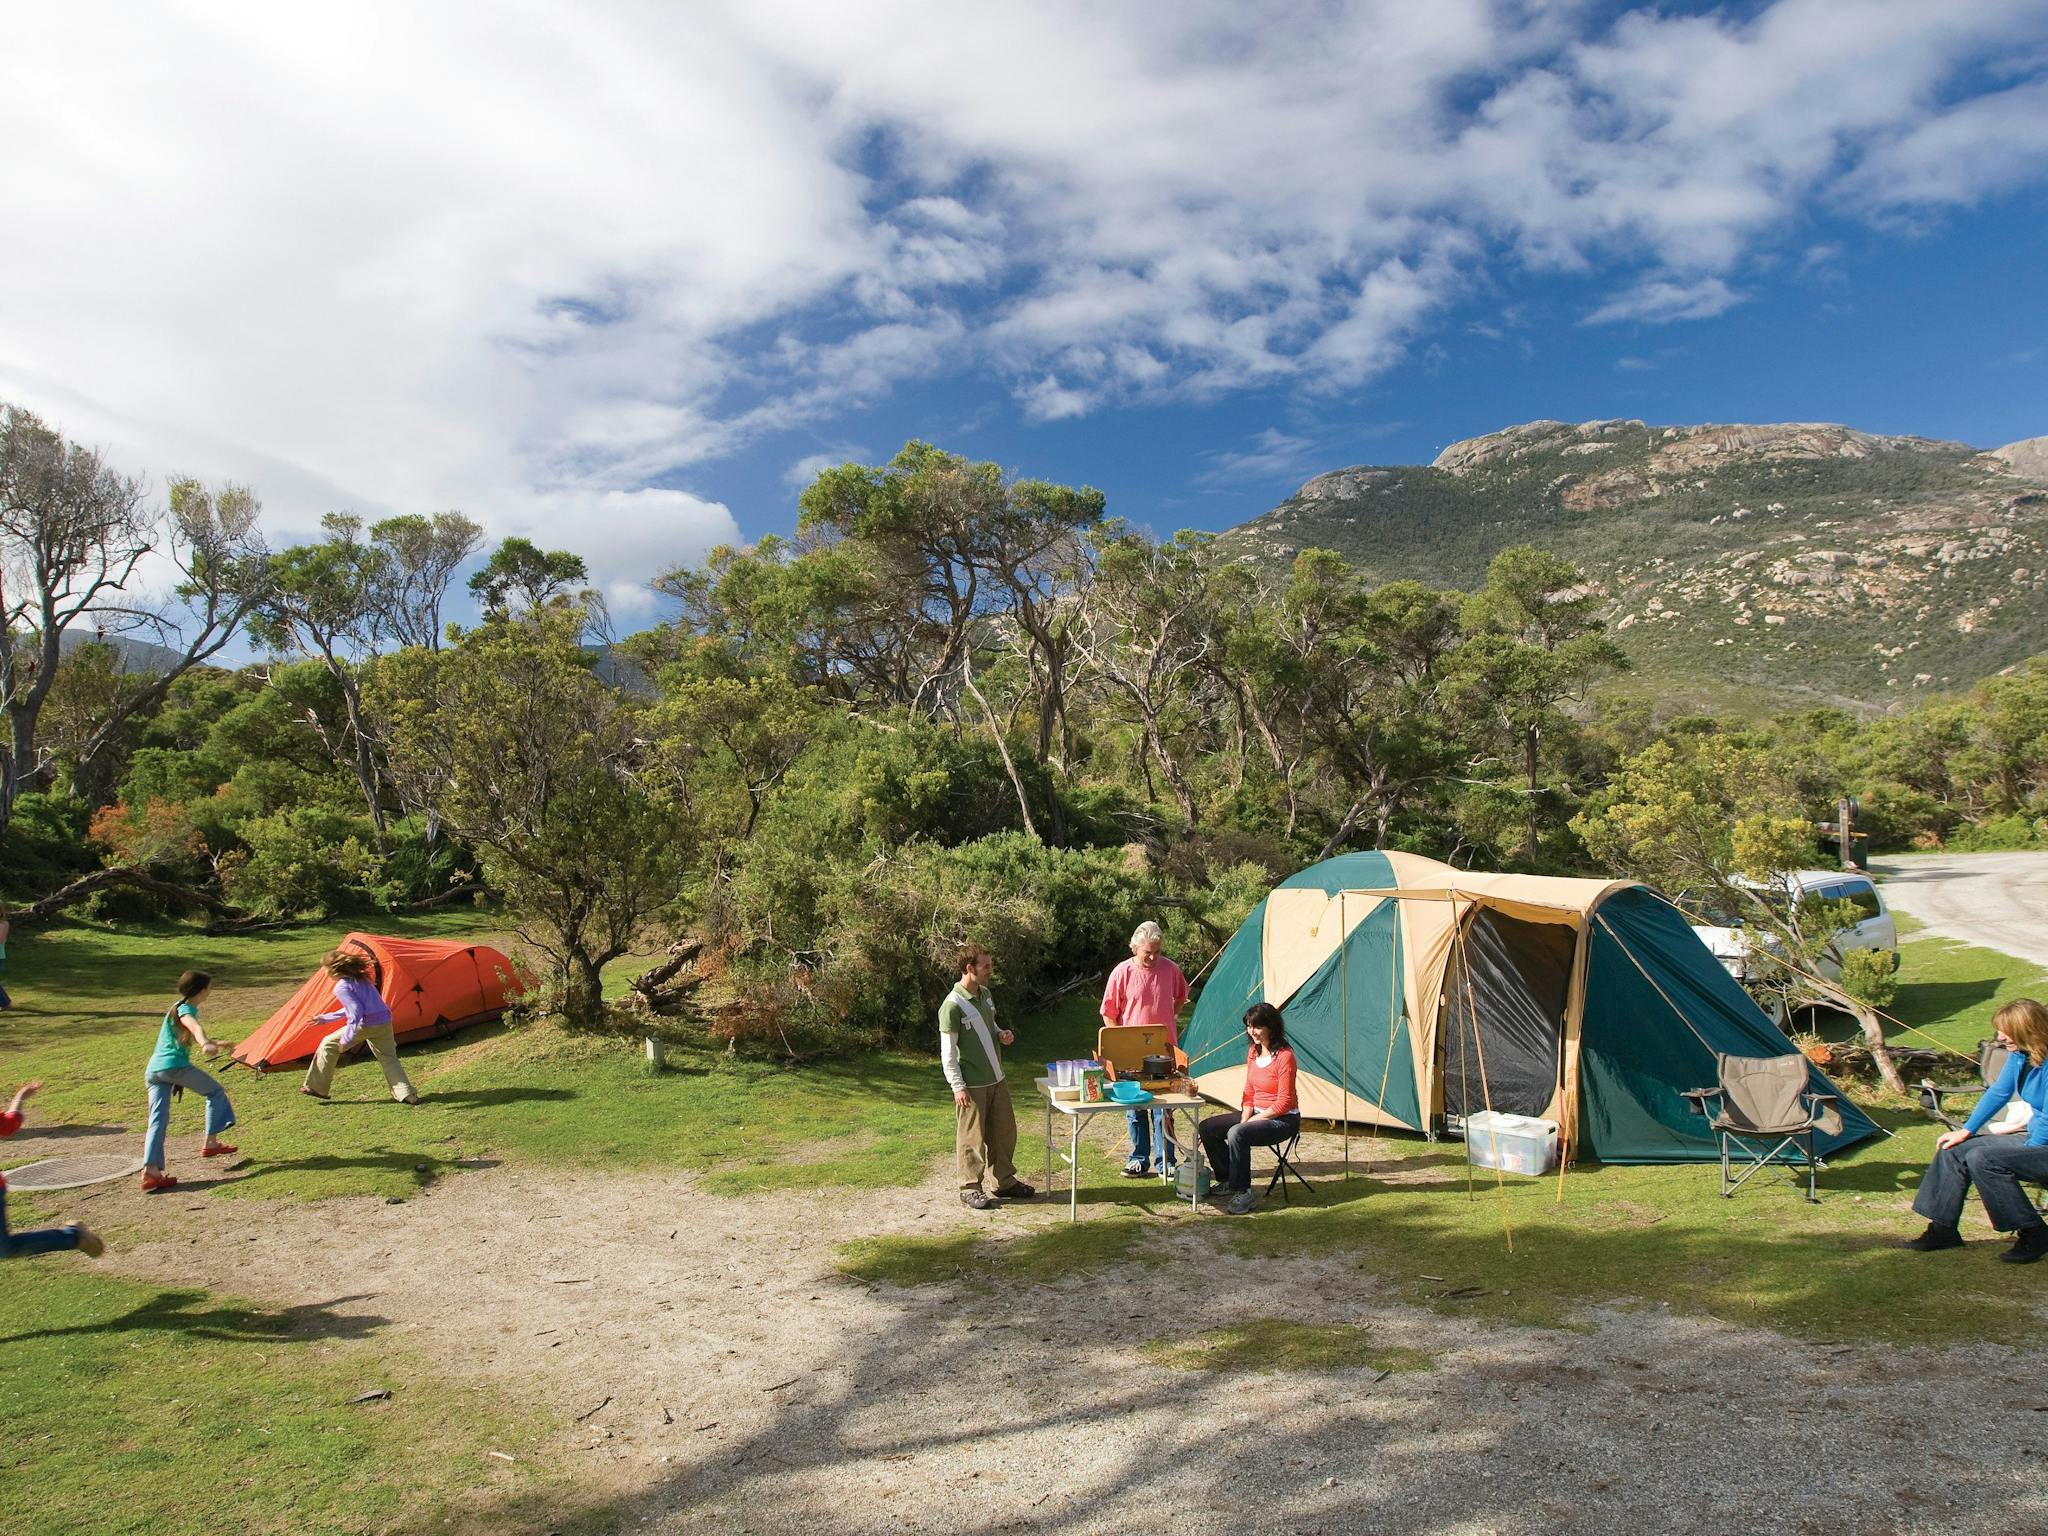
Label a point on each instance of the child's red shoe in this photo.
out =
(222, 1150)
(152, 1182)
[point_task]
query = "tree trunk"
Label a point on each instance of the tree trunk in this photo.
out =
(1881, 1053)
(121, 874)
(1343, 831)
(1532, 832)
(995, 729)
(1183, 796)
(582, 988)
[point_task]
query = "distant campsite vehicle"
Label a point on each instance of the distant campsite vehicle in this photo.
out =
(433, 986)
(1735, 943)
(1418, 995)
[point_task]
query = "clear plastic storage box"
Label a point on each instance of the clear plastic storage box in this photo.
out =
(1511, 1143)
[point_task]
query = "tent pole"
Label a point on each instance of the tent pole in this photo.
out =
(1393, 906)
(1500, 1182)
(1344, 996)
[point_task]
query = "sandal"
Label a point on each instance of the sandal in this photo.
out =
(222, 1150)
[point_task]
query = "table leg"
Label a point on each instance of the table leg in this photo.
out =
(1048, 1147)
(1074, 1171)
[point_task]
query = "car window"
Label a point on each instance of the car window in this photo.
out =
(1862, 892)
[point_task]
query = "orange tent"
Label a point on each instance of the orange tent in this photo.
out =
(434, 987)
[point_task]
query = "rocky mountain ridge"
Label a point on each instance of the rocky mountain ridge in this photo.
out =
(1747, 566)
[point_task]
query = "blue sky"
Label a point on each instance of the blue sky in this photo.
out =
(615, 275)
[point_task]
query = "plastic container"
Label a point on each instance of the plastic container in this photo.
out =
(1511, 1143)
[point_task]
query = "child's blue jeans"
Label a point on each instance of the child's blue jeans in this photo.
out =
(219, 1113)
(20, 1245)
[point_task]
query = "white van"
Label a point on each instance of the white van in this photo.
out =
(1733, 943)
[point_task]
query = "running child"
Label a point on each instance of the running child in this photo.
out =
(170, 1072)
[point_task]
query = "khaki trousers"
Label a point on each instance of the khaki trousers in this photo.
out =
(382, 1045)
(985, 1136)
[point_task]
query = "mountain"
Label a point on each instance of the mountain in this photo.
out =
(1744, 567)
(133, 655)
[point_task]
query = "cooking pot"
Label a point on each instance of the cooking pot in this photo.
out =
(1157, 1067)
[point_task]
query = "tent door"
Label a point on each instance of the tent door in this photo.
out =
(1504, 1002)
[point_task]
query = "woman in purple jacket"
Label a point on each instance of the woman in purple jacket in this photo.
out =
(368, 1020)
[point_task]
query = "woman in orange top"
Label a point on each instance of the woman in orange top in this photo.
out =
(1271, 1114)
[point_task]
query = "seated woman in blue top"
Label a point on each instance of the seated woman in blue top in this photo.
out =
(1996, 1159)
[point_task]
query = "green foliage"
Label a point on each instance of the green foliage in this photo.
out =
(1871, 976)
(1998, 834)
(851, 950)
(303, 862)
(522, 753)
(45, 844)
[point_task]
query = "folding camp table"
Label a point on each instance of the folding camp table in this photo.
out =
(1078, 1115)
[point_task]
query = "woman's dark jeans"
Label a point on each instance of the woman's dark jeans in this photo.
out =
(1228, 1140)
(1996, 1165)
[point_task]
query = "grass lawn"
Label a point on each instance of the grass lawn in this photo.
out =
(90, 998)
(129, 1408)
(1949, 990)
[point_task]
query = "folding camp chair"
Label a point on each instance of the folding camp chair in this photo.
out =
(1284, 1169)
(1990, 1062)
(1766, 1110)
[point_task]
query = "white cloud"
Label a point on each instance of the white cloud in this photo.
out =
(1973, 149)
(811, 465)
(1273, 455)
(396, 257)
(633, 536)
(1658, 301)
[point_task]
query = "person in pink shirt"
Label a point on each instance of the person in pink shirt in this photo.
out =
(1148, 988)
(1271, 1114)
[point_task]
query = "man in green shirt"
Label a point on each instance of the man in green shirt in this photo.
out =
(971, 1056)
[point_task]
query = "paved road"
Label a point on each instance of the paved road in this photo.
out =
(1998, 900)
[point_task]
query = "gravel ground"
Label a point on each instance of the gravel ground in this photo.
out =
(752, 1389)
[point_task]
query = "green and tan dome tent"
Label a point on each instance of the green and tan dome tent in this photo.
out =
(1413, 991)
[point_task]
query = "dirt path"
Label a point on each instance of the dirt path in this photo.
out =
(1998, 900)
(752, 1389)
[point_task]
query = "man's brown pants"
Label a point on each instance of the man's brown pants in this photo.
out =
(985, 1136)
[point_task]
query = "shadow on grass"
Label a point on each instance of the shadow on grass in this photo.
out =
(182, 1313)
(1921, 1003)
(476, 1098)
(35, 1133)
(422, 1167)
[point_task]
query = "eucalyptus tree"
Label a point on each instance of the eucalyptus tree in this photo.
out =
(1145, 640)
(422, 554)
(326, 601)
(1537, 645)
(548, 774)
(74, 532)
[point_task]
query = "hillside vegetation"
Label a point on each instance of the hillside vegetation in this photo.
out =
(1754, 566)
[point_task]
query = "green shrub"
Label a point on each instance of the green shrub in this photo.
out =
(1998, 834)
(45, 844)
(849, 951)
(300, 862)
(1871, 976)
